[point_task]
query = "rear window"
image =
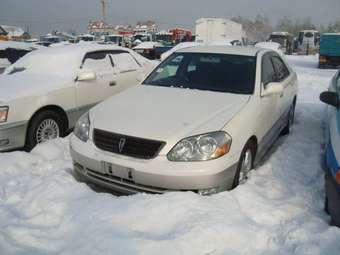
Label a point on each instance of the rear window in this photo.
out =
(206, 71)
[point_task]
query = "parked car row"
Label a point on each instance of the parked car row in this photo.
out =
(199, 121)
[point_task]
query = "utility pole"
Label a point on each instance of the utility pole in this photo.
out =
(103, 3)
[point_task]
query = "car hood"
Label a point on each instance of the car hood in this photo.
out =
(24, 84)
(166, 114)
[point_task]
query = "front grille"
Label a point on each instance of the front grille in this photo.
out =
(127, 145)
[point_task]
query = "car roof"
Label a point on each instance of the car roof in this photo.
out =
(231, 50)
(78, 49)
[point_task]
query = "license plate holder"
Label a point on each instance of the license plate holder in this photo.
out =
(117, 170)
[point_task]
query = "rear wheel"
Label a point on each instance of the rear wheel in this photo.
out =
(44, 126)
(245, 164)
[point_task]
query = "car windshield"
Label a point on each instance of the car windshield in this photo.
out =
(206, 71)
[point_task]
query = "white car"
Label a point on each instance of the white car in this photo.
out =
(11, 51)
(44, 93)
(198, 122)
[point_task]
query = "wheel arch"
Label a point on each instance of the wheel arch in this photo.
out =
(253, 140)
(54, 108)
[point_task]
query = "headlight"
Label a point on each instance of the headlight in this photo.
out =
(201, 147)
(3, 113)
(82, 127)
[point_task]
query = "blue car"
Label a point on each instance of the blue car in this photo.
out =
(332, 156)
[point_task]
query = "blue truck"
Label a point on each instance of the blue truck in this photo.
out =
(329, 50)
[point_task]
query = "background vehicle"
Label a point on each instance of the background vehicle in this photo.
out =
(44, 93)
(285, 39)
(49, 39)
(209, 30)
(308, 42)
(332, 154)
(114, 39)
(86, 38)
(204, 117)
(329, 54)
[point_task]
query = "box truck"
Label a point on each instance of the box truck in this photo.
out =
(217, 30)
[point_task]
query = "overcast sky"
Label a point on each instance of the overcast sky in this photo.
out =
(42, 16)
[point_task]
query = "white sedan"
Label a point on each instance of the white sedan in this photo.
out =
(44, 93)
(204, 116)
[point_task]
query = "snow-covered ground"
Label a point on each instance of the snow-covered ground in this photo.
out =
(43, 210)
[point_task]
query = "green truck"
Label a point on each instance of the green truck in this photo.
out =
(329, 50)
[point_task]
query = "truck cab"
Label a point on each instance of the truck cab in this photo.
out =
(329, 50)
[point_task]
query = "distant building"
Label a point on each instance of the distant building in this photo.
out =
(148, 26)
(13, 33)
(99, 28)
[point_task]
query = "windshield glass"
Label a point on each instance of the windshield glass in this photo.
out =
(206, 71)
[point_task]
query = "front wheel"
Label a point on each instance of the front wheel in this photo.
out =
(44, 126)
(245, 164)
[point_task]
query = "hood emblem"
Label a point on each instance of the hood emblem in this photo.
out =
(121, 144)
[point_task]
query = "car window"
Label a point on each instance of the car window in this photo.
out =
(170, 69)
(206, 71)
(281, 69)
(124, 62)
(98, 64)
(268, 72)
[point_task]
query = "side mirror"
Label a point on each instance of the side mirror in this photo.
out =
(330, 98)
(86, 75)
(273, 88)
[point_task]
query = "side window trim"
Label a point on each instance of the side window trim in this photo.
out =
(269, 56)
(106, 52)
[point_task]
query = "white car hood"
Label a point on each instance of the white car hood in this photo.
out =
(166, 114)
(24, 84)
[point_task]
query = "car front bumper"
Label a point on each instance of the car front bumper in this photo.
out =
(13, 135)
(130, 175)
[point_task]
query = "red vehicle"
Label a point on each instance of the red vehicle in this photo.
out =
(181, 35)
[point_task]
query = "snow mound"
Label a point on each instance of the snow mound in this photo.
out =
(44, 210)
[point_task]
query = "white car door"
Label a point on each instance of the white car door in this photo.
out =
(287, 79)
(90, 92)
(127, 72)
(268, 108)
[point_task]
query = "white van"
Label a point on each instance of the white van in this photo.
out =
(308, 42)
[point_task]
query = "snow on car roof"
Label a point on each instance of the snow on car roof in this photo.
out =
(79, 49)
(233, 50)
(19, 45)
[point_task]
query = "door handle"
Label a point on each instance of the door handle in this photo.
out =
(113, 83)
(281, 95)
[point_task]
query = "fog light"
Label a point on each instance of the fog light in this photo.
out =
(208, 192)
(4, 142)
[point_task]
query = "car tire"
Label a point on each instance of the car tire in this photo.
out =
(332, 195)
(245, 163)
(44, 126)
(290, 120)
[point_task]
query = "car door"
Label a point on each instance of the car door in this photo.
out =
(127, 72)
(286, 78)
(268, 108)
(90, 92)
